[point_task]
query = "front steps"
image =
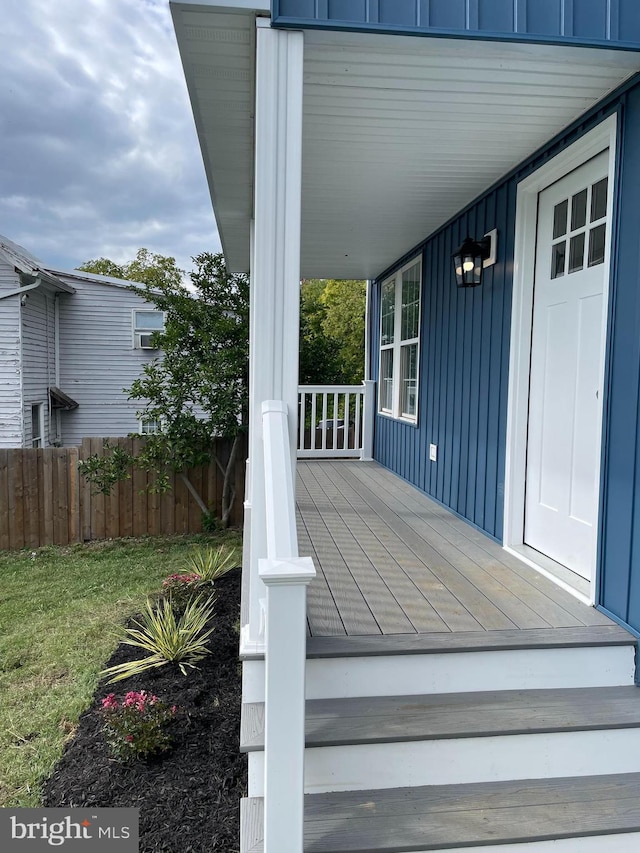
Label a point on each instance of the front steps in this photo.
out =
(504, 740)
(568, 815)
(390, 742)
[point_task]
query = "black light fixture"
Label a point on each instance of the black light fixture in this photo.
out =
(470, 259)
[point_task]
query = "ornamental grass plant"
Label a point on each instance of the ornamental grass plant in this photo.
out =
(168, 637)
(209, 564)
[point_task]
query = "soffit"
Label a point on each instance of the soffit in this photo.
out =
(399, 132)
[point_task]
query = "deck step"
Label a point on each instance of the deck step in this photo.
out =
(398, 665)
(393, 719)
(598, 814)
(468, 641)
(387, 742)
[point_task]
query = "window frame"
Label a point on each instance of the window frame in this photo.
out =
(398, 346)
(137, 330)
(37, 440)
(142, 422)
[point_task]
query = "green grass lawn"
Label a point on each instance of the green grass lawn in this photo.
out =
(59, 615)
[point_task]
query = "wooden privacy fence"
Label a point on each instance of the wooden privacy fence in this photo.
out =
(44, 500)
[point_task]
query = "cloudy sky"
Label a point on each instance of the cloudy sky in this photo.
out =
(98, 150)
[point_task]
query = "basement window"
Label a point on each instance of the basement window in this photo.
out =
(400, 343)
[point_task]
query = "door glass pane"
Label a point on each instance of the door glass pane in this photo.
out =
(576, 253)
(409, 389)
(599, 200)
(410, 303)
(388, 311)
(597, 237)
(579, 210)
(386, 379)
(557, 259)
(560, 219)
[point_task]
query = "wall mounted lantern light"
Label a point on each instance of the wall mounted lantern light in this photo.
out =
(471, 258)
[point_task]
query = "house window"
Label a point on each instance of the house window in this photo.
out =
(400, 342)
(150, 427)
(37, 425)
(145, 323)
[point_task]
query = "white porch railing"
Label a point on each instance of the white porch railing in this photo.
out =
(286, 576)
(336, 420)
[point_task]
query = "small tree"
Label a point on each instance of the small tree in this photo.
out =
(198, 389)
(332, 331)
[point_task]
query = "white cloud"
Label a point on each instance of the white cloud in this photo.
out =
(98, 150)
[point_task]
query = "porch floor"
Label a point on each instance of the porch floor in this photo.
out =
(390, 560)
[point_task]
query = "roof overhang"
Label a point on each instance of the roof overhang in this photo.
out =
(399, 132)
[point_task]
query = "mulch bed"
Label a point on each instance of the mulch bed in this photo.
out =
(188, 797)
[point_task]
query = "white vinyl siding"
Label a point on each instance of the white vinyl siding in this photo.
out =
(98, 362)
(11, 417)
(38, 362)
(400, 342)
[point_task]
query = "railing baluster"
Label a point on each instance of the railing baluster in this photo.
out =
(348, 403)
(347, 421)
(357, 442)
(324, 420)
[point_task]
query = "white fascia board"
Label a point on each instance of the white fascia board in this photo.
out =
(230, 6)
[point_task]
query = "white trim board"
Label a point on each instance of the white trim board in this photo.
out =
(588, 146)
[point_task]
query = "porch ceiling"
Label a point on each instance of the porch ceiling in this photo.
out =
(399, 133)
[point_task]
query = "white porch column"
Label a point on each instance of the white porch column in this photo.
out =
(275, 273)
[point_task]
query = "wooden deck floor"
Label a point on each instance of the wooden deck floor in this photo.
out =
(392, 561)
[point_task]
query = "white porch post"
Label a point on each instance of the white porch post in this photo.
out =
(275, 272)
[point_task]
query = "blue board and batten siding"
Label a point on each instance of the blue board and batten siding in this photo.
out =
(464, 362)
(615, 23)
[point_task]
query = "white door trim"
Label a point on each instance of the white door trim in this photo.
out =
(592, 143)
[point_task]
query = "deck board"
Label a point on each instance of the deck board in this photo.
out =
(392, 561)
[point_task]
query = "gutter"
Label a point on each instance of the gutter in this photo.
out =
(21, 290)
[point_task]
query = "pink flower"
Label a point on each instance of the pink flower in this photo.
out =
(129, 738)
(110, 701)
(174, 709)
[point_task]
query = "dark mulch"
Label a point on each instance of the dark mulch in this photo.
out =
(189, 797)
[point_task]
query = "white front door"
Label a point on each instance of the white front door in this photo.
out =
(567, 346)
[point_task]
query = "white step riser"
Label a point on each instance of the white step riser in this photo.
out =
(457, 672)
(462, 760)
(626, 843)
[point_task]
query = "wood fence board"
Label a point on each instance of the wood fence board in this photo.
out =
(15, 503)
(30, 491)
(182, 505)
(126, 494)
(4, 499)
(195, 513)
(154, 526)
(85, 494)
(139, 482)
(97, 499)
(47, 496)
(74, 496)
(61, 499)
(44, 500)
(168, 508)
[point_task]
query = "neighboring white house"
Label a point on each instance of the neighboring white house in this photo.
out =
(70, 344)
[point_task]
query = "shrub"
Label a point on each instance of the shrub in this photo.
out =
(134, 728)
(209, 564)
(182, 639)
